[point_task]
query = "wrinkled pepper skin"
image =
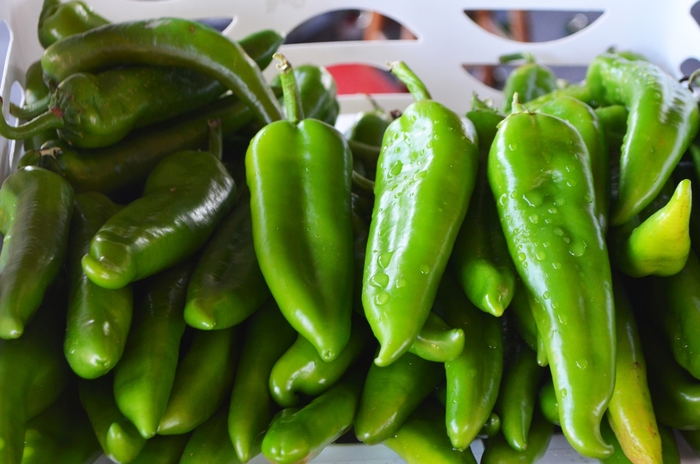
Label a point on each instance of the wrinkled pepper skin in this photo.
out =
(268, 336)
(33, 373)
(663, 119)
(35, 211)
(630, 412)
(472, 379)
(301, 371)
(425, 177)
(529, 81)
(144, 376)
(437, 341)
(227, 285)
(423, 438)
(185, 197)
(164, 42)
(499, 451)
(540, 174)
(203, 380)
(299, 435)
(58, 20)
(480, 255)
(210, 444)
(98, 319)
(299, 173)
(391, 393)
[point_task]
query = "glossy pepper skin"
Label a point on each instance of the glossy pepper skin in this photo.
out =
(163, 449)
(663, 119)
(144, 376)
(185, 197)
(425, 177)
(437, 341)
(365, 136)
(35, 211)
(98, 319)
(268, 336)
(58, 20)
(298, 172)
(33, 373)
(472, 379)
(164, 42)
(480, 255)
(498, 450)
(540, 174)
(529, 80)
(671, 454)
(209, 443)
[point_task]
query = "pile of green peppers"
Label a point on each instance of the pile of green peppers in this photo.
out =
(198, 267)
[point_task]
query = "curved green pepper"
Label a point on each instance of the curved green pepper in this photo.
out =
(98, 318)
(498, 450)
(529, 81)
(300, 370)
(524, 321)
(670, 448)
(578, 91)
(58, 20)
(425, 177)
(299, 435)
(299, 174)
(474, 377)
(268, 336)
(663, 119)
(210, 444)
(163, 449)
(185, 197)
(164, 42)
(203, 380)
(613, 120)
(35, 210)
(227, 285)
(144, 376)
(549, 404)
(480, 255)
(437, 341)
(540, 174)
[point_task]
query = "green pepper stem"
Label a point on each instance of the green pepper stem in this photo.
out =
(292, 97)
(31, 110)
(518, 107)
(517, 56)
(361, 182)
(52, 119)
(409, 78)
(215, 138)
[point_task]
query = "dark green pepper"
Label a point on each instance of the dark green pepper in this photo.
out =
(35, 210)
(35, 89)
(365, 136)
(613, 119)
(663, 119)
(210, 444)
(425, 177)
(529, 81)
(98, 318)
(58, 20)
(499, 451)
(524, 321)
(163, 449)
(299, 173)
(540, 173)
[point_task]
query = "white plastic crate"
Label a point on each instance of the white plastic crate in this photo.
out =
(447, 40)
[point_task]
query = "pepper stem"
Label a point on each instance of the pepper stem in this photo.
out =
(409, 78)
(215, 138)
(31, 110)
(52, 119)
(517, 56)
(292, 98)
(518, 107)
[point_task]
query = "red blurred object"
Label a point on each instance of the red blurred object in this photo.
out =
(362, 78)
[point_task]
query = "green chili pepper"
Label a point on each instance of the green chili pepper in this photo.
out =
(524, 321)
(630, 412)
(663, 119)
(33, 373)
(300, 370)
(613, 119)
(660, 243)
(98, 318)
(365, 136)
(299, 173)
(268, 336)
(529, 81)
(227, 285)
(299, 435)
(480, 256)
(423, 438)
(35, 210)
(210, 444)
(58, 20)
(35, 89)
(549, 404)
(391, 393)
(203, 380)
(48, 438)
(164, 449)
(492, 425)
(185, 197)
(540, 174)
(425, 177)
(164, 42)
(498, 449)
(578, 91)
(318, 100)
(144, 376)
(437, 341)
(474, 377)
(670, 448)
(118, 437)
(518, 395)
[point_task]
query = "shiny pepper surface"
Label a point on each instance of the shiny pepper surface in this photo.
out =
(299, 174)
(58, 20)
(425, 177)
(540, 175)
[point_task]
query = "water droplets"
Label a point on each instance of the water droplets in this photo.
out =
(588, 198)
(578, 248)
(385, 259)
(556, 265)
(546, 295)
(521, 257)
(559, 232)
(396, 168)
(582, 364)
(563, 392)
(533, 198)
(401, 282)
(380, 280)
(552, 210)
(534, 218)
(424, 269)
(382, 298)
(541, 255)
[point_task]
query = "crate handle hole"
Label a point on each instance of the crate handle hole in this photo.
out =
(495, 75)
(360, 78)
(349, 25)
